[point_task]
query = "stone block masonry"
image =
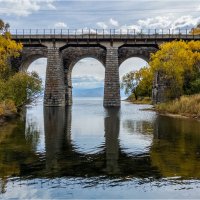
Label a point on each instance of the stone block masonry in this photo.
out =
(110, 49)
(55, 87)
(61, 60)
(112, 85)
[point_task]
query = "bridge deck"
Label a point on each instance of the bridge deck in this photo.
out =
(107, 36)
(104, 34)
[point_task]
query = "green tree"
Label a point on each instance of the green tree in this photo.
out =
(130, 82)
(138, 82)
(23, 88)
(16, 89)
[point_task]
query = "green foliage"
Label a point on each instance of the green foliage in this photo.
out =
(23, 88)
(15, 89)
(138, 82)
(130, 83)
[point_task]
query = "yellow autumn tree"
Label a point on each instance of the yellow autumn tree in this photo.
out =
(8, 48)
(177, 60)
(16, 89)
(146, 82)
(196, 30)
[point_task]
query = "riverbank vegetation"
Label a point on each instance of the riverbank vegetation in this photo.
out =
(179, 63)
(16, 88)
(188, 106)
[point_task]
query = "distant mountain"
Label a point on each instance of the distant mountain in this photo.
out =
(93, 92)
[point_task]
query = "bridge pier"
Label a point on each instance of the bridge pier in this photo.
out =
(54, 87)
(161, 88)
(68, 87)
(112, 85)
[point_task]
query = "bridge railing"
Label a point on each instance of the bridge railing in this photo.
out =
(101, 33)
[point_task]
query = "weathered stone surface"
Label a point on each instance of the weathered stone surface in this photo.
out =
(54, 87)
(71, 55)
(111, 84)
(58, 91)
(160, 88)
(141, 52)
(28, 55)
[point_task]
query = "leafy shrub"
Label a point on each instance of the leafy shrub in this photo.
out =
(23, 88)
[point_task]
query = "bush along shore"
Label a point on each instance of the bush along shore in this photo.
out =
(140, 100)
(186, 106)
(16, 88)
(7, 111)
(17, 91)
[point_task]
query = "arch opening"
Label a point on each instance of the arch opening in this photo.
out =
(26, 64)
(87, 86)
(88, 78)
(39, 65)
(34, 114)
(130, 64)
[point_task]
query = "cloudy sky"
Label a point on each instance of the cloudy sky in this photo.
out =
(118, 14)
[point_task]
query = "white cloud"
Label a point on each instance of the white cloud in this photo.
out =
(125, 27)
(49, 4)
(156, 22)
(163, 22)
(24, 7)
(86, 78)
(60, 25)
(102, 25)
(113, 22)
(87, 81)
(185, 22)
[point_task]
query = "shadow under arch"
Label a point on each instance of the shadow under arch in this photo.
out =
(79, 53)
(28, 56)
(28, 61)
(126, 52)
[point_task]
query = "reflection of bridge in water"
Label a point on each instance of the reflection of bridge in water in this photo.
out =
(174, 151)
(63, 157)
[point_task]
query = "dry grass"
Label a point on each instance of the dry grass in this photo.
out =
(7, 108)
(186, 106)
(140, 100)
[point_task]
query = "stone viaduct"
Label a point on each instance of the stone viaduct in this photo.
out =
(64, 50)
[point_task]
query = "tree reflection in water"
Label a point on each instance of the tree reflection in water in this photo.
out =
(174, 150)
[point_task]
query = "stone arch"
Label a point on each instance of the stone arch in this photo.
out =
(72, 55)
(125, 53)
(28, 55)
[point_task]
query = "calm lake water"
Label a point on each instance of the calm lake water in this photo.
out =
(87, 151)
